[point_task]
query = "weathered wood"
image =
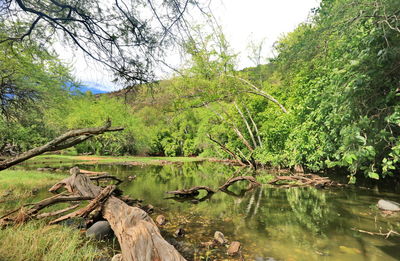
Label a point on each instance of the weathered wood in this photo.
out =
(94, 204)
(137, 234)
(191, 192)
(89, 172)
(104, 176)
(252, 180)
(56, 213)
(302, 180)
(64, 141)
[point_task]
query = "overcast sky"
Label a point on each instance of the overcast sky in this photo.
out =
(242, 21)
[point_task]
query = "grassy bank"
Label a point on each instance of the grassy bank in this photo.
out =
(62, 159)
(20, 187)
(35, 240)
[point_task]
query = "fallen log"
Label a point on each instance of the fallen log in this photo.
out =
(66, 140)
(89, 172)
(30, 211)
(58, 212)
(192, 192)
(303, 180)
(97, 178)
(138, 235)
(253, 182)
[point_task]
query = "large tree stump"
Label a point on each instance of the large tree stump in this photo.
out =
(137, 234)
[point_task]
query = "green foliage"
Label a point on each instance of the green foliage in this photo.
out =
(341, 73)
(32, 81)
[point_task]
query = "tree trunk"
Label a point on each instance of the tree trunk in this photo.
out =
(137, 234)
(68, 139)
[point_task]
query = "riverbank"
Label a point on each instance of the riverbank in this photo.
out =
(35, 240)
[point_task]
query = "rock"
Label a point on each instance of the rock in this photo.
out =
(234, 248)
(208, 244)
(77, 223)
(117, 257)
(186, 249)
(388, 205)
(99, 230)
(130, 178)
(160, 219)
(179, 232)
(220, 238)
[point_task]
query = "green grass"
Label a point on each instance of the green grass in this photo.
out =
(109, 159)
(20, 182)
(16, 187)
(37, 241)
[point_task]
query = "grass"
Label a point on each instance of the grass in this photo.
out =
(37, 241)
(109, 159)
(22, 182)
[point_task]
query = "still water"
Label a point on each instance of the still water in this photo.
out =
(271, 223)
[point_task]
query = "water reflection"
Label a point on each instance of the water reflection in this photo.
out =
(286, 224)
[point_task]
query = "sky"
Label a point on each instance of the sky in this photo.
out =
(241, 21)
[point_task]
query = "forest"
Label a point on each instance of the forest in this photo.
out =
(327, 104)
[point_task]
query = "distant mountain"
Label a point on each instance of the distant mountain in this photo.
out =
(93, 87)
(93, 90)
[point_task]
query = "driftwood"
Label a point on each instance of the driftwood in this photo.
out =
(89, 172)
(252, 180)
(185, 194)
(192, 192)
(303, 180)
(386, 235)
(66, 140)
(97, 178)
(138, 235)
(56, 213)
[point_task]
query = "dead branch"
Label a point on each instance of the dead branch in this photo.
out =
(95, 203)
(224, 148)
(32, 211)
(255, 127)
(247, 125)
(56, 213)
(386, 235)
(89, 172)
(259, 92)
(66, 140)
(100, 177)
(303, 180)
(192, 192)
(252, 180)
